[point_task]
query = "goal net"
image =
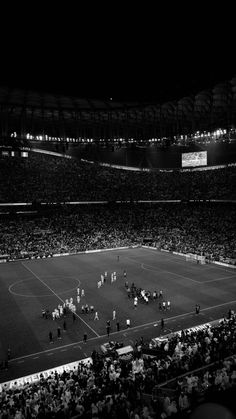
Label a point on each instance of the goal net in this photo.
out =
(190, 257)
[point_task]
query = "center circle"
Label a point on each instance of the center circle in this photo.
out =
(14, 286)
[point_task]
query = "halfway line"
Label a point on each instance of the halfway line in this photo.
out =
(36, 276)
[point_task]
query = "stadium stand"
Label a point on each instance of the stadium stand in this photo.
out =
(201, 362)
(53, 179)
(197, 228)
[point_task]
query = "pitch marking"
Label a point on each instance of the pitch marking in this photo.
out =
(133, 329)
(56, 295)
(42, 295)
(219, 279)
(169, 272)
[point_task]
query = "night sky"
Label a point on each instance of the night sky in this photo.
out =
(118, 58)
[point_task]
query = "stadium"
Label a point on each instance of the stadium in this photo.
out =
(117, 254)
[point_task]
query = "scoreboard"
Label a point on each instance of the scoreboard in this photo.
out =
(197, 158)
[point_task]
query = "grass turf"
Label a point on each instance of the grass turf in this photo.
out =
(27, 287)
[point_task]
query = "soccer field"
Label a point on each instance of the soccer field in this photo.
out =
(26, 287)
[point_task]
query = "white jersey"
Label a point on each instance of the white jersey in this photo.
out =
(57, 314)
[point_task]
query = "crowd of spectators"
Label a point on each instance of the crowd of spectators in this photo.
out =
(53, 179)
(201, 362)
(207, 229)
(204, 228)
(194, 363)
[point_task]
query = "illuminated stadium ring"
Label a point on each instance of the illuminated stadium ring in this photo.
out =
(42, 295)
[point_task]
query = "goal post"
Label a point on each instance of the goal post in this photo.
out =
(191, 257)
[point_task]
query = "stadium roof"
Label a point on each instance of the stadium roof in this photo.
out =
(30, 98)
(26, 111)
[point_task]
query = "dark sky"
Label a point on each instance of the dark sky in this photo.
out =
(118, 58)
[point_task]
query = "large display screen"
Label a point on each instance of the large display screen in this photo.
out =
(197, 158)
(24, 154)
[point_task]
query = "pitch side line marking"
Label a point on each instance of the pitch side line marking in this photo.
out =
(124, 331)
(36, 276)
